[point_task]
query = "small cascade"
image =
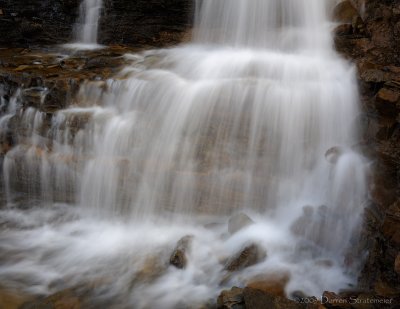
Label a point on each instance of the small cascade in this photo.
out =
(257, 116)
(87, 27)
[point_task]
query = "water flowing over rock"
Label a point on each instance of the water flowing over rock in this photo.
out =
(238, 222)
(86, 30)
(178, 257)
(238, 121)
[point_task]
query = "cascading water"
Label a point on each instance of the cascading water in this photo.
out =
(87, 27)
(257, 115)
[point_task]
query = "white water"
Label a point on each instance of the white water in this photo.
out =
(240, 120)
(87, 27)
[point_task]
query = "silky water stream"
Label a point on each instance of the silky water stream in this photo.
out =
(86, 29)
(258, 115)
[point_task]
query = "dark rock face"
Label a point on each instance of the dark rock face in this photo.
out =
(373, 44)
(128, 22)
(151, 22)
(36, 22)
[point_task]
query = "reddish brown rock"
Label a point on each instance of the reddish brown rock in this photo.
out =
(257, 299)
(386, 102)
(274, 284)
(231, 299)
(61, 300)
(345, 12)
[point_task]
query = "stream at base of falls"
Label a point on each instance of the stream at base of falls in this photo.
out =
(230, 144)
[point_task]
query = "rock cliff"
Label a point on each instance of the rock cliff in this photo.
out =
(371, 39)
(129, 22)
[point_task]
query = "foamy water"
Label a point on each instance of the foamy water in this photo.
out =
(242, 120)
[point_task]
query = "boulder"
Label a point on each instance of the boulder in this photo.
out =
(246, 257)
(231, 299)
(345, 12)
(179, 255)
(238, 222)
(274, 284)
(257, 299)
(152, 268)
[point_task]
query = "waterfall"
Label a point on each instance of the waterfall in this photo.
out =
(87, 27)
(257, 115)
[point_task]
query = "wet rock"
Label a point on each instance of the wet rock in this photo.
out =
(345, 29)
(34, 96)
(11, 299)
(300, 225)
(274, 284)
(257, 299)
(386, 289)
(386, 102)
(397, 264)
(391, 225)
(333, 300)
(373, 44)
(246, 257)
(238, 222)
(61, 300)
(179, 255)
(231, 299)
(345, 12)
(332, 155)
(152, 268)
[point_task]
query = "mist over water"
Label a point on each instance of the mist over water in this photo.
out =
(257, 115)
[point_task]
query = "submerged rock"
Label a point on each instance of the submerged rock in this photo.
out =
(332, 155)
(179, 255)
(238, 222)
(152, 268)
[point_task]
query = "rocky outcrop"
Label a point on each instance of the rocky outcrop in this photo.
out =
(128, 22)
(145, 22)
(37, 22)
(371, 39)
(179, 255)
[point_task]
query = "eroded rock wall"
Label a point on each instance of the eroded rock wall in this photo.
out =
(129, 22)
(371, 39)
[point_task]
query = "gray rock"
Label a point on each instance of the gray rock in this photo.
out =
(238, 222)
